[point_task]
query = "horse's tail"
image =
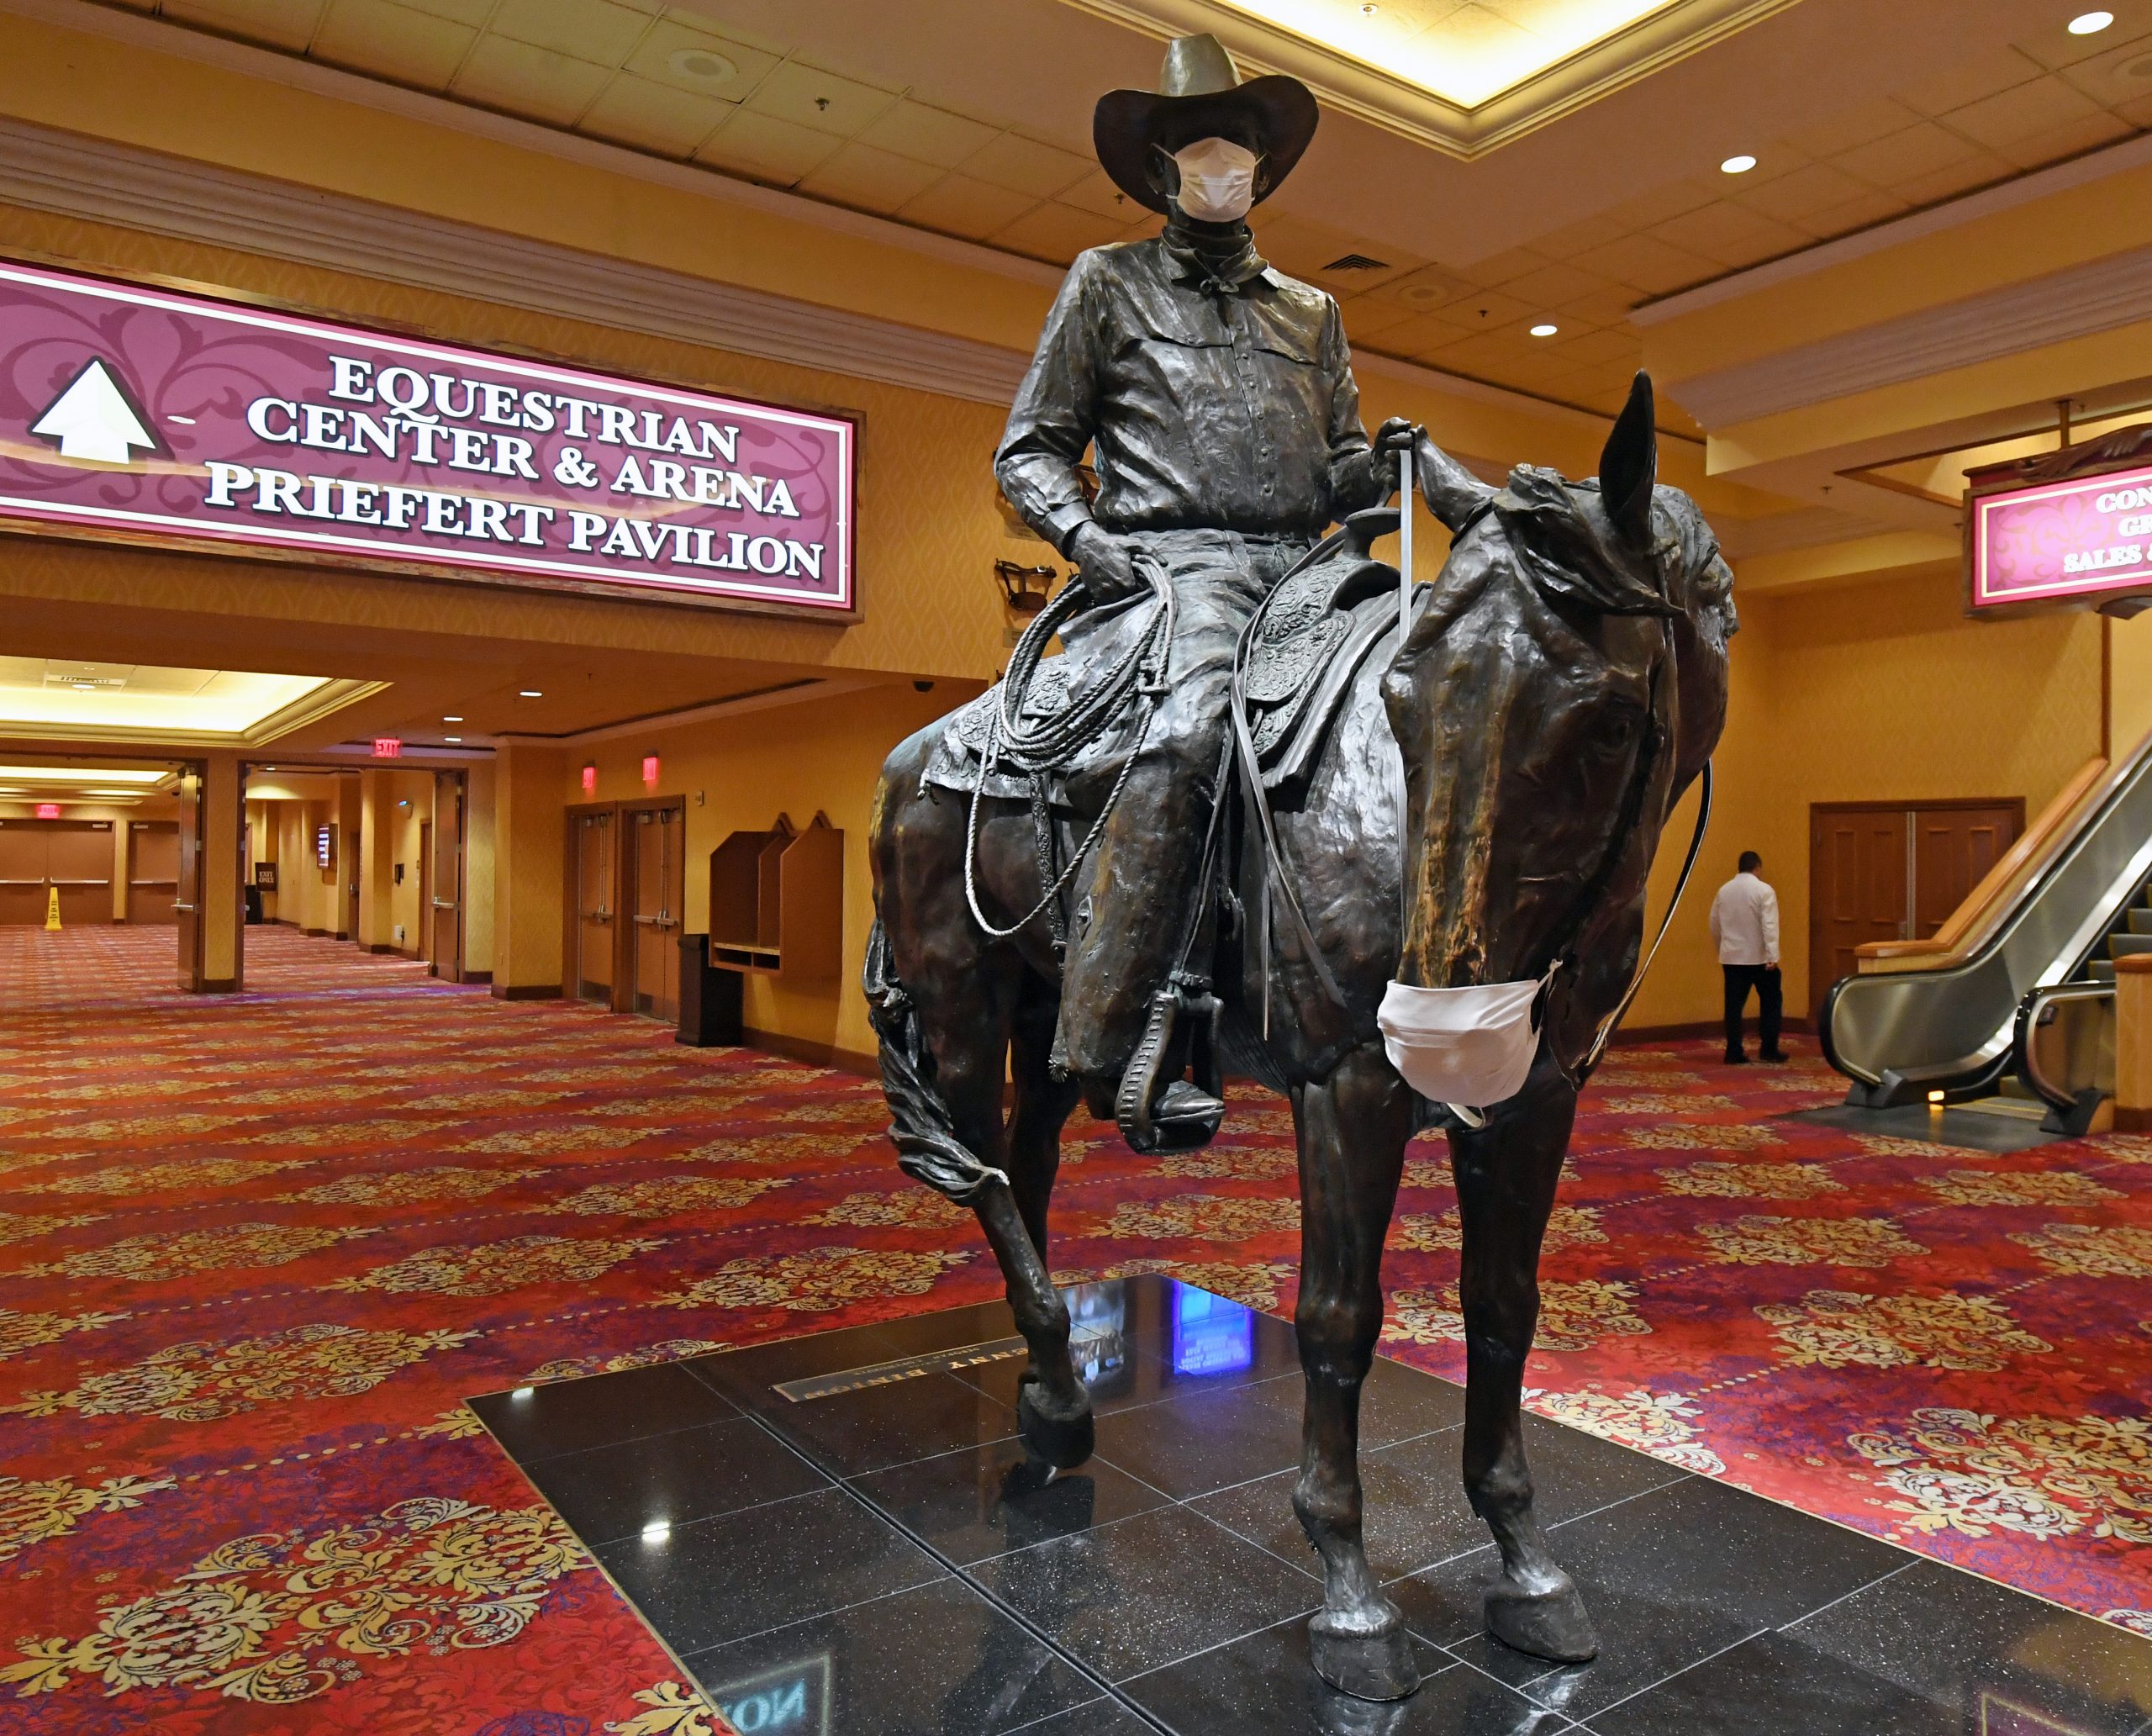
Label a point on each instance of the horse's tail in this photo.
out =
(923, 1131)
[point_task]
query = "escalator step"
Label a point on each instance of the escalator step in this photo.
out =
(2100, 970)
(2120, 945)
(2140, 922)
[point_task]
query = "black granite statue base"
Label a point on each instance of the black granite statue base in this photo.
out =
(839, 1535)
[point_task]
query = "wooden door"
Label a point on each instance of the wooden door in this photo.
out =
(25, 855)
(186, 889)
(445, 890)
(80, 868)
(426, 880)
(592, 845)
(1954, 848)
(152, 872)
(1857, 871)
(658, 877)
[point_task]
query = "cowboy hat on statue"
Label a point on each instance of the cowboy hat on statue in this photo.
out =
(1224, 137)
(1217, 396)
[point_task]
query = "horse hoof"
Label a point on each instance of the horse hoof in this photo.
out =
(1062, 1442)
(1375, 1665)
(1552, 1624)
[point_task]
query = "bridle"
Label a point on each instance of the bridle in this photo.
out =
(1585, 904)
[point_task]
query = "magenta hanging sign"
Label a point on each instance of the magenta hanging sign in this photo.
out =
(148, 414)
(2055, 542)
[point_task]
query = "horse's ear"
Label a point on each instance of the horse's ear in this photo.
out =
(1629, 465)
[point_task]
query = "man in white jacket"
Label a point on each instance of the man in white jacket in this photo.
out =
(1745, 928)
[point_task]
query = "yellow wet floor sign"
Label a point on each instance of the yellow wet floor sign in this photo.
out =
(52, 910)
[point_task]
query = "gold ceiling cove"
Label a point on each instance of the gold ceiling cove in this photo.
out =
(1464, 78)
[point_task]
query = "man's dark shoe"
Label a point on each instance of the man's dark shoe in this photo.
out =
(1735, 1057)
(1777, 1057)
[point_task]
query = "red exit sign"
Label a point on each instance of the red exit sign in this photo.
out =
(387, 747)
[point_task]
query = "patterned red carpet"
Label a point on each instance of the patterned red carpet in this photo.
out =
(255, 1250)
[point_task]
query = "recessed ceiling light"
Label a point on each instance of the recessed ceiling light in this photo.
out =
(452, 738)
(702, 65)
(451, 720)
(1738, 164)
(2091, 24)
(1544, 331)
(530, 693)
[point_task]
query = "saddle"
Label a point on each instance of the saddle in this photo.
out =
(1296, 660)
(1307, 643)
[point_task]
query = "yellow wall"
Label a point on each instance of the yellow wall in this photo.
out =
(738, 774)
(529, 869)
(1876, 692)
(2130, 681)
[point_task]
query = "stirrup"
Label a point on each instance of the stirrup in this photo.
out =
(1182, 1116)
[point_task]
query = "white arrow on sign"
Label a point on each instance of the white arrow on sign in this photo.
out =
(94, 418)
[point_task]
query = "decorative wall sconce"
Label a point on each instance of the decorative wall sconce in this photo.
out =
(1026, 586)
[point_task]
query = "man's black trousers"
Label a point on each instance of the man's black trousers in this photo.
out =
(1766, 980)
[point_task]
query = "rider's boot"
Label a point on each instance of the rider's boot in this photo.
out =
(1156, 1109)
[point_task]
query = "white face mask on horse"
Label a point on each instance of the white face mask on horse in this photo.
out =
(1217, 180)
(1469, 1047)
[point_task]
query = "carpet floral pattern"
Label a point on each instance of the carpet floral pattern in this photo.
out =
(255, 1250)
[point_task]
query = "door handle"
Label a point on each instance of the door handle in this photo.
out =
(647, 922)
(444, 904)
(187, 908)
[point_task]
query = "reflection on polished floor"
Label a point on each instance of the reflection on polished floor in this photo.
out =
(840, 1533)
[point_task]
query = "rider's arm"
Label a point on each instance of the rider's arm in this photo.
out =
(1357, 480)
(1054, 416)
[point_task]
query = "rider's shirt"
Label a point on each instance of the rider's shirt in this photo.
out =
(1219, 397)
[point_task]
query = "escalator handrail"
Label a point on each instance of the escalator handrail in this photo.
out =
(2137, 765)
(2087, 819)
(2025, 1053)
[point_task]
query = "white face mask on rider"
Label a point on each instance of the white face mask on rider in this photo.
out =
(1217, 180)
(1470, 1048)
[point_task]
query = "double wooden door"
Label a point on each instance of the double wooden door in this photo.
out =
(657, 872)
(627, 882)
(73, 857)
(1892, 870)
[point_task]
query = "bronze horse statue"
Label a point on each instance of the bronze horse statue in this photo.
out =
(1562, 683)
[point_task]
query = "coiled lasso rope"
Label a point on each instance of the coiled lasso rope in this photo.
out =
(1054, 741)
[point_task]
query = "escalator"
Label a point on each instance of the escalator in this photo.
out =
(2019, 1020)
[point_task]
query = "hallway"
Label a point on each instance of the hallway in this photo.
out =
(255, 1250)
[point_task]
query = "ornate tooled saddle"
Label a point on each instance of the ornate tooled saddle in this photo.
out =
(1307, 641)
(1302, 650)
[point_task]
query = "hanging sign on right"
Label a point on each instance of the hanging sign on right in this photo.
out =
(2061, 541)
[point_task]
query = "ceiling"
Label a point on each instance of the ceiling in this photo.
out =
(933, 115)
(106, 781)
(1466, 51)
(51, 696)
(403, 681)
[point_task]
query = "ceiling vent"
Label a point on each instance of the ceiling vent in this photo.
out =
(83, 684)
(1356, 263)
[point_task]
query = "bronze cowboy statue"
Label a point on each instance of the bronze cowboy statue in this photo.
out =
(1183, 845)
(1218, 395)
